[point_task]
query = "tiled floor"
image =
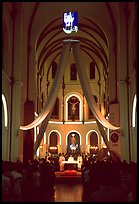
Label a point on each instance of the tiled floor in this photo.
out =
(68, 192)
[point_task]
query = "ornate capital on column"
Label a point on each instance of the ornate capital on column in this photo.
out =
(19, 83)
(124, 82)
(121, 82)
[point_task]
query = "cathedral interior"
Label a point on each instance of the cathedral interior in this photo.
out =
(69, 101)
(68, 85)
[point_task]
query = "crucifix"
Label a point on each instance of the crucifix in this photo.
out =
(73, 101)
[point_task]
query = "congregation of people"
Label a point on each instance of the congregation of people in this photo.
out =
(109, 181)
(32, 181)
(105, 180)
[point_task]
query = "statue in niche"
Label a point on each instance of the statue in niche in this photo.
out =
(73, 145)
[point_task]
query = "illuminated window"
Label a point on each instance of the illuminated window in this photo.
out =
(134, 112)
(5, 110)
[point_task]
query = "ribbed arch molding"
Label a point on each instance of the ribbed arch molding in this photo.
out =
(94, 42)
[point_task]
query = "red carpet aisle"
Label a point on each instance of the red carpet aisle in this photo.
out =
(68, 186)
(68, 192)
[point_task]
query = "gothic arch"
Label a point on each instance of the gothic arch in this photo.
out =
(88, 137)
(73, 142)
(76, 132)
(92, 141)
(58, 137)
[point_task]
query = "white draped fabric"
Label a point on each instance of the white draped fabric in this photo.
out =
(54, 90)
(48, 107)
(42, 130)
(53, 93)
(87, 89)
(103, 133)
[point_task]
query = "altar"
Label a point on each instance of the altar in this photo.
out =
(70, 165)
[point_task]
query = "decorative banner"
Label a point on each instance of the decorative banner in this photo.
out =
(70, 22)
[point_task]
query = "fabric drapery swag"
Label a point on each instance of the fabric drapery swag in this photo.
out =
(45, 115)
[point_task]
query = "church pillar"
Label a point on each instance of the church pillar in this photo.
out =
(28, 137)
(124, 120)
(123, 85)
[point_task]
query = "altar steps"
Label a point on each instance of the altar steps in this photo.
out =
(70, 176)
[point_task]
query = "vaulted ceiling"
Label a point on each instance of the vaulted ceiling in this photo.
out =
(96, 30)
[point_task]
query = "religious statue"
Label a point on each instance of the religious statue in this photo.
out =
(73, 101)
(73, 145)
(73, 139)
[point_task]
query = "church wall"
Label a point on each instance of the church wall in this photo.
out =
(65, 129)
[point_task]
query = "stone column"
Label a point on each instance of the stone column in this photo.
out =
(124, 120)
(15, 121)
(122, 68)
(28, 140)
(5, 143)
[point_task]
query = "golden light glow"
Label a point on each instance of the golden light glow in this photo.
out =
(55, 122)
(38, 152)
(72, 123)
(102, 110)
(36, 114)
(38, 130)
(35, 134)
(44, 138)
(94, 147)
(90, 122)
(52, 148)
(104, 146)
